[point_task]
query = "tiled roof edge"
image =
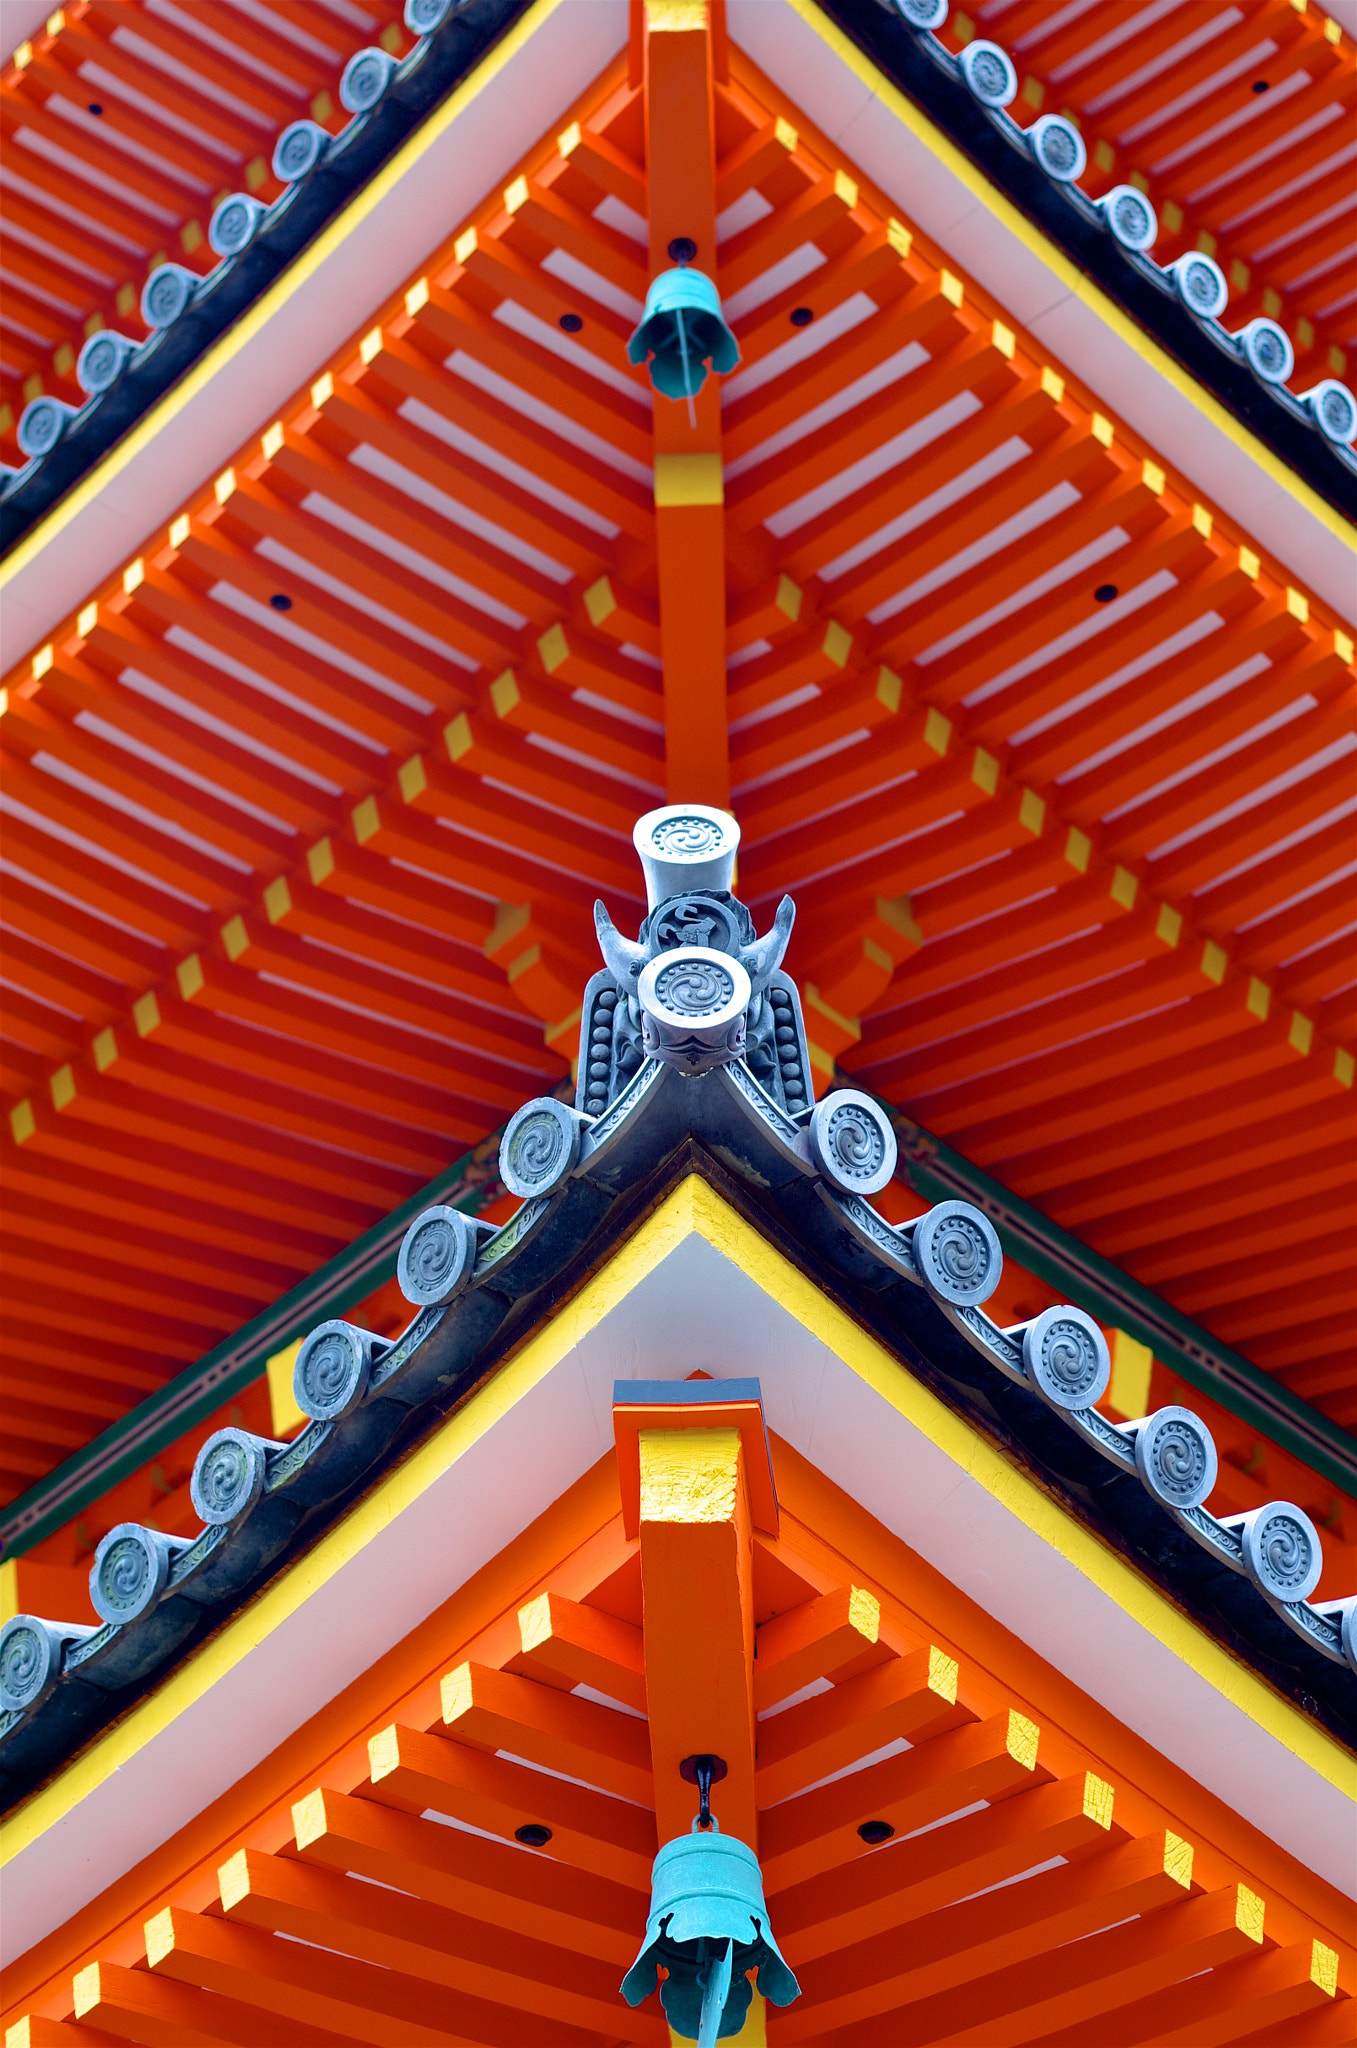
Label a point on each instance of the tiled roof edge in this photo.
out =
(1180, 305)
(188, 313)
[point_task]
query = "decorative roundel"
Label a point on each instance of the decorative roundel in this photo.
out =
(1067, 1358)
(1176, 1457)
(300, 147)
(129, 1572)
(697, 920)
(101, 361)
(923, 13)
(235, 224)
(693, 987)
(1267, 350)
(437, 1254)
(958, 1254)
(166, 294)
(228, 1476)
(684, 833)
(423, 16)
(331, 1373)
(1282, 1553)
(1348, 1627)
(852, 1143)
(1058, 147)
(989, 73)
(1200, 284)
(1333, 409)
(30, 1661)
(539, 1147)
(1130, 217)
(42, 424)
(366, 77)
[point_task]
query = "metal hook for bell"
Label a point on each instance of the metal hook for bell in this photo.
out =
(703, 1771)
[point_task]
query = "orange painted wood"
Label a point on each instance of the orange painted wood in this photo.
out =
(1233, 2003)
(135, 2005)
(494, 1710)
(565, 1644)
(835, 1637)
(610, 1837)
(913, 1697)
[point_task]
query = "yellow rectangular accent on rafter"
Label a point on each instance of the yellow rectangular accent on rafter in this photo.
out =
(277, 900)
(366, 819)
(61, 1087)
(505, 693)
(837, 644)
(1258, 1001)
(225, 486)
(1124, 886)
(899, 237)
(1179, 1857)
(951, 288)
(322, 390)
(523, 963)
(1168, 927)
(1343, 1065)
(134, 575)
(190, 977)
(1297, 604)
(1032, 813)
(320, 860)
(1249, 564)
(1214, 961)
(1078, 850)
(1101, 429)
(1202, 521)
(235, 939)
(1004, 339)
(599, 601)
(937, 730)
(1332, 32)
(22, 1122)
(985, 771)
(1301, 1036)
(1099, 1800)
(1128, 1391)
(466, 245)
(671, 17)
(689, 480)
(1053, 384)
(784, 133)
(845, 188)
(456, 738)
(889, 689)
(43, 660)
(1022, 1739)
(181, 529)
(1342, 645)
(569, 139)
(1153, 478)
(1324, 1967)
(1249, 1913)
(87, 620)
(943, 1675)
(105, 1047)
(146, 1014)
(788, 598)
(370, 347)
(417, 298)
(553, 648)
(516, 195)
(411, 778)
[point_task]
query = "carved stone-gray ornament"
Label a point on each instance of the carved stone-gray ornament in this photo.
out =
(228, 1475)
(1282, 1553)
(693, 1003)
(852, 1143)
(1066, 1357)
(684, 847)
(130, 1569)
(30, 1659)
(540, 1146)
(330, 1376)
(437, 1256)
(958, 1254)
(1175, 1457)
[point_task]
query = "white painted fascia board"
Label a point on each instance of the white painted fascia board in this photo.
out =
(546, 1431)
(521, 87)
(809, 60)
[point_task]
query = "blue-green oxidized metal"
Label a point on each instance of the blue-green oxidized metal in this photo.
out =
(681, 330)
(708, 1925)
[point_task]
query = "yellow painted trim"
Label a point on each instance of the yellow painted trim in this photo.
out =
(692, 1208)
(294, 279)
(1074, 280)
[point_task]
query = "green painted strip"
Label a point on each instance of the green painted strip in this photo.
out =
(163, 1417)
(1105, 1292)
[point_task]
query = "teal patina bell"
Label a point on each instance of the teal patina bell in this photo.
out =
(708, 1925)
(681, 330)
